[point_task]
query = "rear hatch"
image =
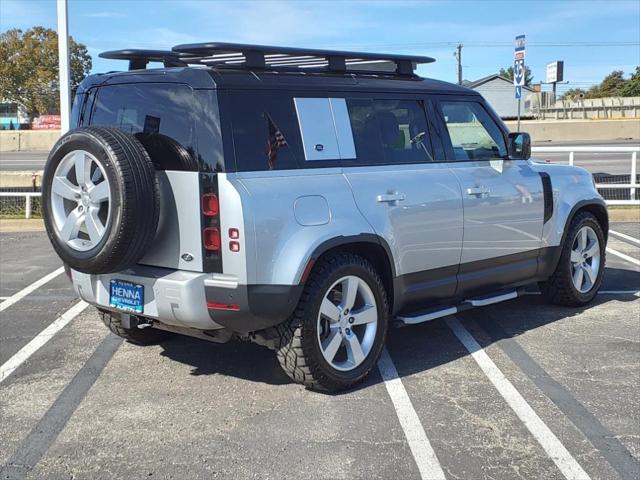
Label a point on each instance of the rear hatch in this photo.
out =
(166, 118)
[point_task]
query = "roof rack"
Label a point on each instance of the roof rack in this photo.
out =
(138, 59)
(236, 55)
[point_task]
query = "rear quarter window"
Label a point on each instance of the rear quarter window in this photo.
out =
(265, 131)
(161, 116)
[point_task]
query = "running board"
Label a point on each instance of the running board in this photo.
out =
(427, 316)
(481, 302)
(434, 314)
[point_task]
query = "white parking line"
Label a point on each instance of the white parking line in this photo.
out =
(626, 237)
(423, 453)
(568, 465)
(43, 337)
(16, 297)
(623, 256)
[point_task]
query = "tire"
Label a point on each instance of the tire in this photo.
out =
(166, 153)
(560, 288)
(143, 337)
(299, 350)
(123, 223)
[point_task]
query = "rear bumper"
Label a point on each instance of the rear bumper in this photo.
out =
(247, 308)
(196, 300)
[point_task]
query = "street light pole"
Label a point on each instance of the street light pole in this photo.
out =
(63, 66)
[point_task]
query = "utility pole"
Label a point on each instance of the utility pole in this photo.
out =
(63, 66)
(458, 56)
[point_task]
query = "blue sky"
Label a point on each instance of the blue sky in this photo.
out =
(587, 35)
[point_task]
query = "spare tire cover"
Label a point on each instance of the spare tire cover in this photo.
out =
(101, 199)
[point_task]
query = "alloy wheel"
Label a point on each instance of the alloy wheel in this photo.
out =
(80, 200)
(585, 259)
(347, 323)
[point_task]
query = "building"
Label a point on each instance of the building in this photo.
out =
(500, 93)
(12, 116)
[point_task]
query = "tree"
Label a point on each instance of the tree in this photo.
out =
(29, 68)
(508, 73)
(632, 87)
(574, 93)
(611, 86)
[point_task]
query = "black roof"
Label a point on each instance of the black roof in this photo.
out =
(242, 79)
(237, 55)
(228, 66)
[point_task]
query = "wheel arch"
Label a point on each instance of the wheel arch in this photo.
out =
(597, 207)
(367, 245)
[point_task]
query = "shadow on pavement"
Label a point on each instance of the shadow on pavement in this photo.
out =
(414, 349)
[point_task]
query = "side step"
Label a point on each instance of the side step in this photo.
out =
(432, 314)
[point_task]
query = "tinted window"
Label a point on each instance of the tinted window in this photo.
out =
(159, 115)
(389, 131)
(474, 135)
(265, 131)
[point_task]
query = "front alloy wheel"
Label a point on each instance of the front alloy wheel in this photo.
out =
(578, 274)
(585, 259)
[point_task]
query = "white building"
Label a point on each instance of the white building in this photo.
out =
(500, 93)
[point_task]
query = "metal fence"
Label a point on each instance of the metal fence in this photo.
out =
(620, 188)
(18, 204)
(617, 189)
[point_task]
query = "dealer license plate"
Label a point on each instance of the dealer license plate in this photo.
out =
(126, 296)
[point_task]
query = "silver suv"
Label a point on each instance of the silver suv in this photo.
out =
(304, 200)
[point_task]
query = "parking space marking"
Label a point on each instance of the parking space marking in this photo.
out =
(39, 340)
(600, 437)
(568, 465)
(423, 453)
(624, 236)
(623, 256)
(16, 297)
(42, 436)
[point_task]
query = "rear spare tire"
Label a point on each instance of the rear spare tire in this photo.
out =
(101, 199)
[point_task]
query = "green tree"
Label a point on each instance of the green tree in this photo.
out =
(508, 73)
(632, 87)
(574, 93)
(611, 86)
(29, 68)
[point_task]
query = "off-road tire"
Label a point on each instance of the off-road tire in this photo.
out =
(144, 336)
(135, 195)
(559, 288)
(297, 347)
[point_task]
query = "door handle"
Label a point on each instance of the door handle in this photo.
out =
(390, 197)
(478, 191)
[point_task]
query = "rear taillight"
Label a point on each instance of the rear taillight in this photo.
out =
(210, 223)
(211, 239)
(210, 205)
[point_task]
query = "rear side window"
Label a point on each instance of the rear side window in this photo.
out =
(474, 135)
(389, 131)
(159, 115)
(265, 131)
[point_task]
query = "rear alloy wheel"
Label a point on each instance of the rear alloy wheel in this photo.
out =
(347, 323)
(337, 332)
(578, 275)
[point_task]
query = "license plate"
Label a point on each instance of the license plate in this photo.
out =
(126, 296)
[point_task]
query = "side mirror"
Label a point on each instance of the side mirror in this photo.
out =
(519, 146)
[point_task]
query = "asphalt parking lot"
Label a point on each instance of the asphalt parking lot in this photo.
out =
(515, 390)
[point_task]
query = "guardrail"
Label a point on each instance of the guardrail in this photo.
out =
(28, 200)
(632, 185)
